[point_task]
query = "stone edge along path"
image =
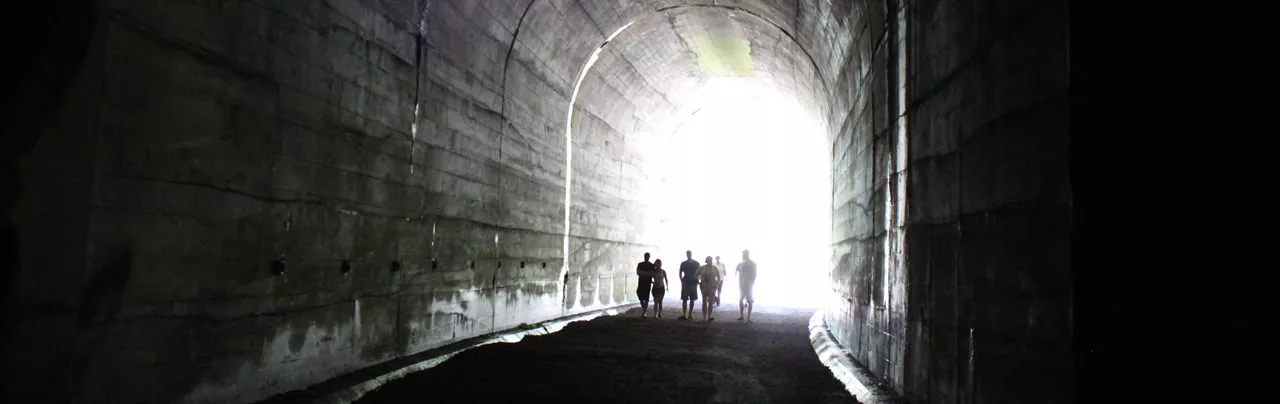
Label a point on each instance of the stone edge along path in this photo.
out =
(355, 391)
(858, 380)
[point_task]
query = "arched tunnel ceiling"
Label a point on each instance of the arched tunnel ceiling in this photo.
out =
(553, 40)
(636, 93)
(644, 79)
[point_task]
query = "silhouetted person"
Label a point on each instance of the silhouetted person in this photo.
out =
(688, 286)
(659, 287)
(746, 281)
(709, 280)
(645, 271)
(723, 272)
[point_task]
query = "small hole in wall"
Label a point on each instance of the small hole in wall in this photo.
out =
(277, 267)
(395, 266)
(472, 264)
(434, 264)
(521, 264)
(499, 264)
(544, 265)
(346, 267)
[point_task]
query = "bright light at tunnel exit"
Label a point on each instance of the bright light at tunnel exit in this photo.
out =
(750, 170)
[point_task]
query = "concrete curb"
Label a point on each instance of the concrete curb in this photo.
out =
(353, 392)
(858, 380)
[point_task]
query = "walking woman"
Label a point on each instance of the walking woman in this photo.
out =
(659, 287)
(709, 280)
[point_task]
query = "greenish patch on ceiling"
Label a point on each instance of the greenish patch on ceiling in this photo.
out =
(722, 55)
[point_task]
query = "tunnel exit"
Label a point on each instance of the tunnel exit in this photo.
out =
(749, 170)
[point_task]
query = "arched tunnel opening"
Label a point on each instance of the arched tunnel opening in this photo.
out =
(237, 201)
(722, 146)
(749, 171)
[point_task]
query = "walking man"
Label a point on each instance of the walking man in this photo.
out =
(746, 272)
(688, 286)
(709, 280)
(645, 271)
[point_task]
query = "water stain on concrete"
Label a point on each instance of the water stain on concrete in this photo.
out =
(724, 55)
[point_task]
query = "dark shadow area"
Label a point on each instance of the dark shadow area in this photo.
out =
(1170, 217)
(46, 45)
(99, 307)
(631, 359)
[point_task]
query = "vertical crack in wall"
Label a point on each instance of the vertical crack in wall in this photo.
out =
(506, 64)
(419, 55)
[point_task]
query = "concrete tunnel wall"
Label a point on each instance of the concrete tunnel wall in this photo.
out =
(201, 143)
(955, 280)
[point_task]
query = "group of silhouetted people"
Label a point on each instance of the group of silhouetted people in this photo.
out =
(707, 277)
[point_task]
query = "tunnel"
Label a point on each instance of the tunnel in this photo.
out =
(227, 201)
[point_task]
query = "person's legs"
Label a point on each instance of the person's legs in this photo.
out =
(751, 299)
(692, 294)
(742, 300)
(711, 307)
(684, 301)
(657, 302)
(708, 301)
(642, 292)
(694, 290)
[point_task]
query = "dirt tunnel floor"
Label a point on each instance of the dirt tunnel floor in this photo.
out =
(625, 358)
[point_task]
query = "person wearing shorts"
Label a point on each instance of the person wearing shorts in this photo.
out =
(659, 287)
(709, 281)
(746, 282)
(688, 286)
